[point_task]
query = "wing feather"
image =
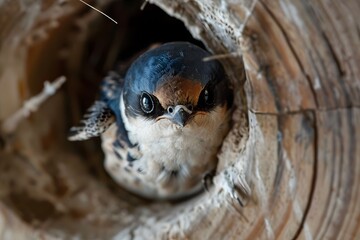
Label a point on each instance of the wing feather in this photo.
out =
(97, 120)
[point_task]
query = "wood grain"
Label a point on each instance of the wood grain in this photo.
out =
(295, 142)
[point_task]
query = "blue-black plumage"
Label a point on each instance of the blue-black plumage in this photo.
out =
(176, 59)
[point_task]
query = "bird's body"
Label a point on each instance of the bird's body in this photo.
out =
(171, 113)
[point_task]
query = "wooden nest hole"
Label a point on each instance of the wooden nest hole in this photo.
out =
(59, 188)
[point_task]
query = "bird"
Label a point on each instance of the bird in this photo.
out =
(163, 122)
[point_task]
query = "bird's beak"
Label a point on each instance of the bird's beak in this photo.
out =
(180, 115)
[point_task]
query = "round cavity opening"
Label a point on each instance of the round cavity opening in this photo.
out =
(107, 46)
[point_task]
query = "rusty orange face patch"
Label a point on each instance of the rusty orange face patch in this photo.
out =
(178, 91)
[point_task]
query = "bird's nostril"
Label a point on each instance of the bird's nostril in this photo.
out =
(170, 109)
(190, 107)
(174, 173)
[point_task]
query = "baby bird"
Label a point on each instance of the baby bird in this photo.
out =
(163, 123)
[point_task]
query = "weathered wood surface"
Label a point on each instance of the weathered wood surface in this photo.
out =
(303, 92)
(296, 138)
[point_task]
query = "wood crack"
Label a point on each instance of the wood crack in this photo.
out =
(313, 180)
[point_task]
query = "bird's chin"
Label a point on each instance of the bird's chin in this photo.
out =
(170, 122)
(181, 128)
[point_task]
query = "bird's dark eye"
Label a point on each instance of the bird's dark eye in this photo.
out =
(146, 103)
(208, 97)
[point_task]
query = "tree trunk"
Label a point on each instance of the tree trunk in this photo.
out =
(295, 141)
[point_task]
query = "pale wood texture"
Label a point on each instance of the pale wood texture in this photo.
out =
(295, 141)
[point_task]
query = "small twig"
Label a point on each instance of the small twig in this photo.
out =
(219, 56)
(143, 5)
(98, 11)
(31, 105)
(250, 13)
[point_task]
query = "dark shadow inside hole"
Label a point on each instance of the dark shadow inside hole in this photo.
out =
(153, 25)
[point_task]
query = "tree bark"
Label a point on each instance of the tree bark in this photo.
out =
(295, 141)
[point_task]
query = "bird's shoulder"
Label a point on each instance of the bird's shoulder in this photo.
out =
(103, 113)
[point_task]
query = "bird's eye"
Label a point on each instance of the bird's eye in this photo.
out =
(208, 97)
(146, 103)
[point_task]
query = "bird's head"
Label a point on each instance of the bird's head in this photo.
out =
(173, 83)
